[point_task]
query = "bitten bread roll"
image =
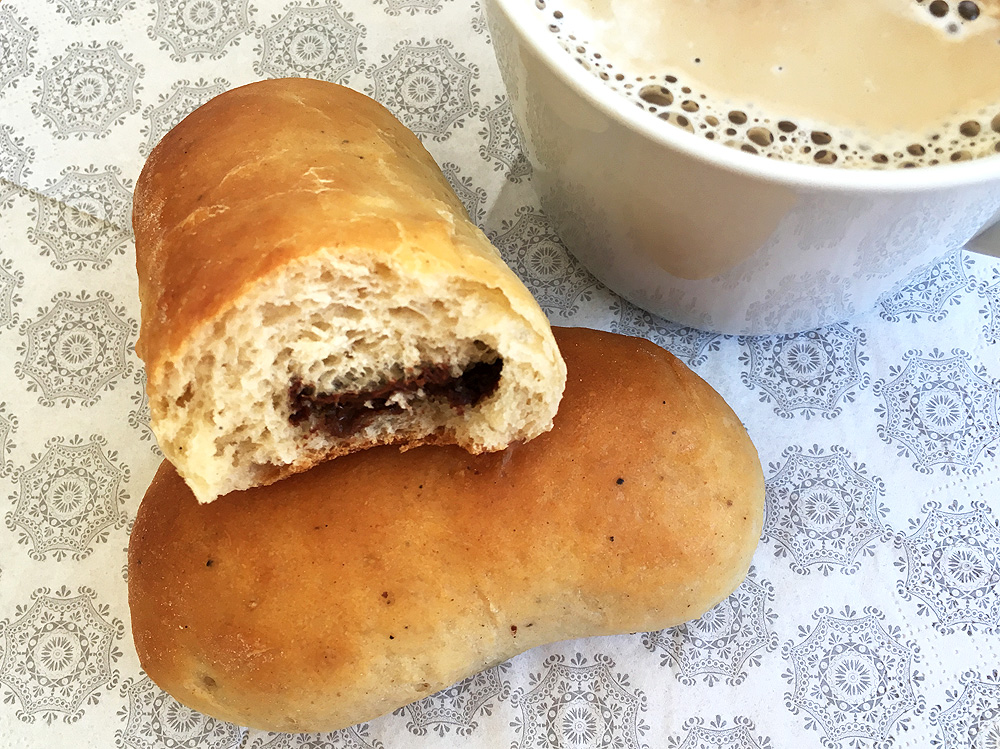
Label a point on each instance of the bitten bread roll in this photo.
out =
(379, 578)
(312, 286)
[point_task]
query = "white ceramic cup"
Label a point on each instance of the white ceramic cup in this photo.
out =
(704, 234)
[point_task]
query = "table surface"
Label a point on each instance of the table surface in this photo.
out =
(870, 618)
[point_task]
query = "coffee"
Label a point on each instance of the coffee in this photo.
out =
(870, 83)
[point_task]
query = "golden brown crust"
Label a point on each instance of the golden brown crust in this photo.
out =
(268, 212)
(376, 579)
(253, 180)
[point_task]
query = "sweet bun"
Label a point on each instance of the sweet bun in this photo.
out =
(376, 579)
(312, 286)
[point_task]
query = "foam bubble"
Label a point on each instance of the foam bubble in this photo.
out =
(681, 102)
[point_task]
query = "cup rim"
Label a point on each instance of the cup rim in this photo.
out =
(817, 177)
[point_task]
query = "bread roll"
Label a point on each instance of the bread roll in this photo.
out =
(312, 286)
(381, 577)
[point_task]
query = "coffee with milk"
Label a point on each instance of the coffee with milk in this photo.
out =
(853, 83)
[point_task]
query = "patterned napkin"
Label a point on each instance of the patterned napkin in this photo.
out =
(871, 617)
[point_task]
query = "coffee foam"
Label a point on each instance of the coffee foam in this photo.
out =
(679, 99)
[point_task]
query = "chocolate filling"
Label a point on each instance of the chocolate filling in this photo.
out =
(344, 413)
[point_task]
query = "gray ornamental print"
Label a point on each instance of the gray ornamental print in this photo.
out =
(890, 245)
(801, 302)
(8, 426)
(990, 312)
(355, 737)
(87, 90)
(15, 158)
(580, 702)
(458, 707)
(429, 87)
(952, 566)
(972, 719)
(853, 678)
(478, 23)
(76, 349)
(472, 197)
(531, 247)
(139, 416)
(311, 41)
(719, 734)
(931, 292)
(58, 654)
(152, 719)
(501, 141)
(79, 219)
(725, 642)
(411, 7)
(69, 499)
(17, 47)
(196, 29)
(807, 374)
(690, 345)
(11, 280)
(93, 12)
(940, 411)
(823, 511)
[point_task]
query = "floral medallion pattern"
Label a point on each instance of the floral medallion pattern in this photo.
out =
(88, 90)
(58, 653)
(719, 734)
(940, 411)
(78, 220)
(891, 243)
(355, 737)
(691, 345)
(472, 197)
(990, 290)
(823, 511)
(128, 532)
(853, 678)
(412, 7)
(76, 349)
(580, 702)
(808, 374)
(195, 29)
(534, 251)
(725, 642)
(14, 158)
(70, 498)
(952, 566)
(93, 11)
(153, 719)
(8, 425)
(972, 720)
(501, 141)
(930, 291)
(457, 707)
(479, 24)
(971, 219)
(17, 47)
(139, 417)
(184, 98)
(429, 87)
(11, 280)
(311, 41)
(802, 302)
